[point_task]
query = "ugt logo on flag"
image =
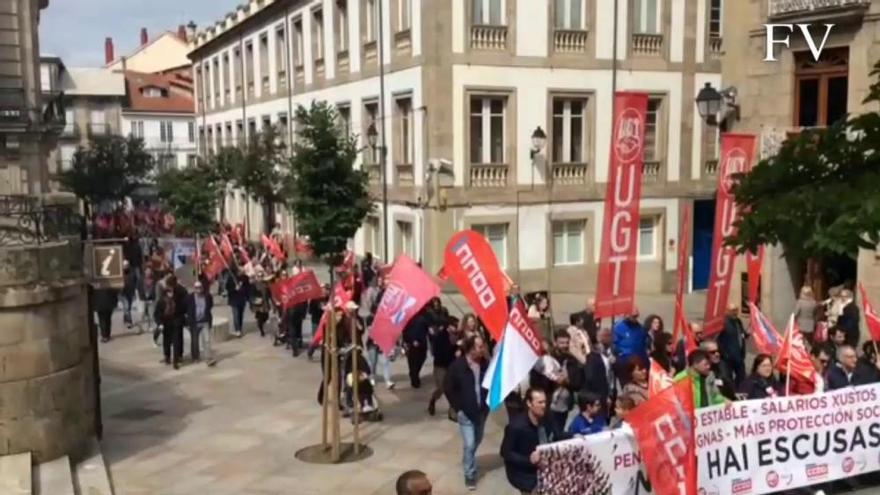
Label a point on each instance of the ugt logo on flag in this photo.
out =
(517, 353)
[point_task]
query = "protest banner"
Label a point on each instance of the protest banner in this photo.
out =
(746, 448)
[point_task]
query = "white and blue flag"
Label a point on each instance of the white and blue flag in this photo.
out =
(515, 355)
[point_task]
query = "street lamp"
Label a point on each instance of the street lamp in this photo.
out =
(714, 106)
(539, 140)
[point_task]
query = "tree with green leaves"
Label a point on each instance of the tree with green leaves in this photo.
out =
(109, 169)
(330, 199)
(260, 172)
(819, 196)
(328, 196)
(224, 164)
(190, 195)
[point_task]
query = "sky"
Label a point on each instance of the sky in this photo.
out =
(75, 29)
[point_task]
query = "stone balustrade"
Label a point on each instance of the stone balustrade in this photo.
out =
(405, 175)
(489, 38)
(652, 171)
(647, 44)
(570, 174)
(570, 41)
(715, 47)
(488, 176)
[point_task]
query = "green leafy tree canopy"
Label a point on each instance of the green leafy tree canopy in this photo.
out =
(329, 197)
(109, 169)
(819, 196)
(190, 195)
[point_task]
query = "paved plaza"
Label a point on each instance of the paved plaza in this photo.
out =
(234, 428)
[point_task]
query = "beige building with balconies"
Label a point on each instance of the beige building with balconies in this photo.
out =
(466, 85)
(796, 91)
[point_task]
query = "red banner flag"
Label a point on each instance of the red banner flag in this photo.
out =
(737, 152)
(680, 322)
(794, 359)
(273, 247)
(764, 335)
(226, 247)
(659, 380)
(297, 289)
(664, 428)
(215, 265)
(872, 320)
(302, 246)
(244, 254)
(754, 262)
(409, 289)
(471, 264)
(616, 287)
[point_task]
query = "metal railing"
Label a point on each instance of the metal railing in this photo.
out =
(25, 221)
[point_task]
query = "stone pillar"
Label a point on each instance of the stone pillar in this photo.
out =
(46, 378)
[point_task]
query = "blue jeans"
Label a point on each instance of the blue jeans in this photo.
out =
(238, 317)
(126, 309)
(375, 355)
(471, 436)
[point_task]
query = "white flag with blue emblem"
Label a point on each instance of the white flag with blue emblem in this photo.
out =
(515, 355)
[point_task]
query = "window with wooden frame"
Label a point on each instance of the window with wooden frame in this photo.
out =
(318, 35)
(646, 16)
(654, 130)
(298, 43)
(569, 129)
(821, 88)
(488, 127)
(403, 152)
(716, 10)
(341, 26)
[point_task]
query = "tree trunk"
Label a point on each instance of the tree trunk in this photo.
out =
(815, 277)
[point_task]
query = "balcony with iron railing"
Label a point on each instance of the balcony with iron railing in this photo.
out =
(647, 44)
(570, 40)
(570, 174)
(489, 37)
(825, 10)
(488, 175)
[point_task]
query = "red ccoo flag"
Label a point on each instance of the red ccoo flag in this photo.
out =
(226, 247)
(872, 320)
(297, 289)
(664, 427)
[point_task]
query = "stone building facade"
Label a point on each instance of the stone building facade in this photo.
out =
(47, 385)
(796, 91)
(467, 83)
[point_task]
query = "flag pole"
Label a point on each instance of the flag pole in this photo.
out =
(789, 337)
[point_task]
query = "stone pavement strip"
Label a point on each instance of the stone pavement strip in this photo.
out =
(234, 428)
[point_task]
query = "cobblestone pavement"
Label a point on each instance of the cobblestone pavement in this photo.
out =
(234, 428)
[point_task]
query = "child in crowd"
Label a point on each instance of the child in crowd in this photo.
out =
(590, 419)
(622, 407)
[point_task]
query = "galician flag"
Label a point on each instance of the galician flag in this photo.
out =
(516, 354)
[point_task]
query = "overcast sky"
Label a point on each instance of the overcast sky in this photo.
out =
(75, 29)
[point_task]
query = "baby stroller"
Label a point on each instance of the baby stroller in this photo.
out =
(369, 403)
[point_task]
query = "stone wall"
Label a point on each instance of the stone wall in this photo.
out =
(46, 378)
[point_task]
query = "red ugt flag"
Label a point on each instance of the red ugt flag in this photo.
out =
(615, 290)
(754, 261)
(872, 320)
(737, 151)
(664, 427)
(297, 289)
(409, 290)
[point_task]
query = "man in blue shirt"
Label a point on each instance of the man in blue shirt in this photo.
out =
(590, 420)
(630, 338)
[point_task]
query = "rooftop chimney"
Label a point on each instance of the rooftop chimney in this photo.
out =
(144, 37)
(181, 32)
(108, 50)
